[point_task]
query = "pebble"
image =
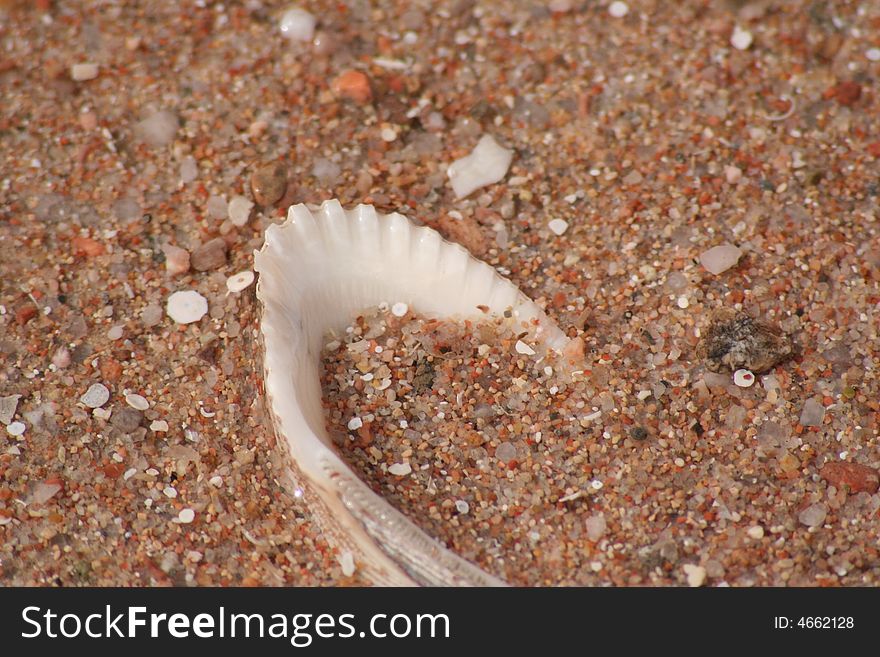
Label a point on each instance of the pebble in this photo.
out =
(83, 72)
(126, 419)
(61, 358)
(177, 260)
(15, 428)
(522, 348)
(170, 491)
(297, 24)
(743, 378)
(217, 208)
(96, 396)
(186, 516)
(719, 259)
(682, 302)
(159, 426)
(856, 477)
(557, 226)
(485, 165)
(732, 174)
(210, 255)
(189, 169)
(239, 211)
(346, 562)
(400, 469)
(186, 307)
(505, 452)
(158, 129)
(353, 85)
(618, 9)
(326, 171)
(461, 506)
(115, 332)
(741, 39)
(355, 423)
(268, 183)
(696, 575)
(137, 401)
(595, 526)
(812, 413)
(873, 54)
(813, 515)
(238, 282)
(8, 406)
(399, 309)
(151, 315)
(756, 532)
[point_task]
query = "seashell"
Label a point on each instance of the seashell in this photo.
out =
(318, 270)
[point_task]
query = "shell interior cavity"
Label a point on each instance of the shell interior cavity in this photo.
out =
(319, 270)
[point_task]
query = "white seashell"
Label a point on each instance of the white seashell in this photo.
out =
(317, 271)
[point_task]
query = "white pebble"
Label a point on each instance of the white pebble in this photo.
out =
(96, 396)
(682, 302)
(741, 39)
(388, 134)
(15, 428)
(186, 516)
(298, 24)
(873, 54)
(170, 491)
(158, 129)
(355, 423)
(115, 333)
(596, 484)
(732, 174)
(137, 401)
(128, 474)
(186, 307)
(756, 532)
(346, 561)
(696, 575)
(743, 378)
(487, 164)
(399, 309)
(400, 469)
(557, 226)
(240, 281)
(461, 506)
(83, 72)
(159, 426)
(522, 348)
(239, 210)
(618, 9)
(719, 259)
(216, 481)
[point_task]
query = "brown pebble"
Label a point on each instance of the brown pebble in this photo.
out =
(269, 182)
(855, 476)
(86, 246)
(210, 255)
(25, 314)
(126, 419)
(466, 232)
(176, 260)
(846, 93)
(353, 85)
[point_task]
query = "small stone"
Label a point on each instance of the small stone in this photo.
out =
(159, 426)
(756, 532)
(8, 406)
(177, 260)
(210, 255)
(297, 24)
(873, 54)
(462, 507)
(399, 309)
(239, 281)
(595, 526)
(732, 174)
(813, 515)
(741, 39)
(170, 492)
(743, 378)
(186, 307)
(400, 469)
(96, 396)
(326, 171)
(115, 332)
(696, 575)
(137, 401)
(855, 477)
(216, 481)
(268, 182)
(43, 492)
(355, 423)
(812, 413)
(158, 129)
(151, 315)
(505, 452)
(217, 208)
(353, 85)
(83, 72)
(719, 259)
(618, 9)
(846, 93)
(560, 6)
(682, 302)
(239, 211)
(186, 516)
(522, 348)
(557, 226)
(15, 428)
(189, 169)
(346, 562)
(61, 358)
(485, 165)
(126, 419)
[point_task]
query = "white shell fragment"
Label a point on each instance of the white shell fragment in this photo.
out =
(400, 469)
(618, 9)
(557, 226)
(238, 282)
(16, 428)
(487, 164)
(719, 259)
(83, 72)
(346, 561)
(96, 396)
(522, 348)
(744, 378)
(186, 307)
(239, 210)
(399, 309)
(741, 39)
(355, 423)
(297, 24)
(317, 271)
(186, 516)
(159, 426)
(137, 402)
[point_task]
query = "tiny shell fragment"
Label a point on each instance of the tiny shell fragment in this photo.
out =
(487, 164)
(719, 259)
(186, 307)
(400, 469)
(96, 396)
(240, 281)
